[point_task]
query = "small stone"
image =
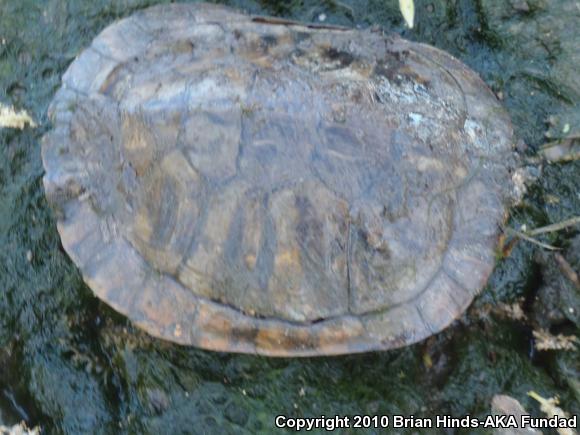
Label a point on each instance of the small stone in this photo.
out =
(339, 113)
(520, 5)
(29, 255)
(236, 414)
(521, 146)
(158, 400)
(506, 405)
(322, 17)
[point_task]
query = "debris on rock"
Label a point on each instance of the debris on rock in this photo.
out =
(564, 136)
(10, 118)
(407, 8)
(19, 429)
(158, 400)
(557, 298)
(502, 404)
(547, 341)
(511, 311)
(550, 408)
(564, 150)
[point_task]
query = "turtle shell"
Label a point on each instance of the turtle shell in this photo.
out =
(250, 184)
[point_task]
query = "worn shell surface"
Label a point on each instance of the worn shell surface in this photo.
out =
(249, 184)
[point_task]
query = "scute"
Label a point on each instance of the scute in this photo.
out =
(263, 186)
(212, 149)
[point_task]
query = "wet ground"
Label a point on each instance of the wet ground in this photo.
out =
(71, 365)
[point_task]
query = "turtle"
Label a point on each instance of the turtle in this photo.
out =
(251, 184)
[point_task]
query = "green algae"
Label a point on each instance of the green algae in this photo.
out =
(72, 365)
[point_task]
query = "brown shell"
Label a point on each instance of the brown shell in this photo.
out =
(255, 185)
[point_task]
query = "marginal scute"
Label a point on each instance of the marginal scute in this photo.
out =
(478, 210)
(87, 75)
(281, 338)
(343, 335)
(439, 308)
(395, 327)
(105, 274)
(80, 232)
(469, 264)
(255, 185)
(122, 41)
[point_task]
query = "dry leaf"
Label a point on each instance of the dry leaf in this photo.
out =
(13, 119)
(547, 341)
(427, 361)
(512, 311)
(407, 8)
(548, 407)
(19, 429)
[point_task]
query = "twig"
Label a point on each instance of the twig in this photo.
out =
(563, 150)
(567, 270)
(555, 227)
(572, 136)
(524, 236)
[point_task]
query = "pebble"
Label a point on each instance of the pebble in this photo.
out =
(158, 400)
